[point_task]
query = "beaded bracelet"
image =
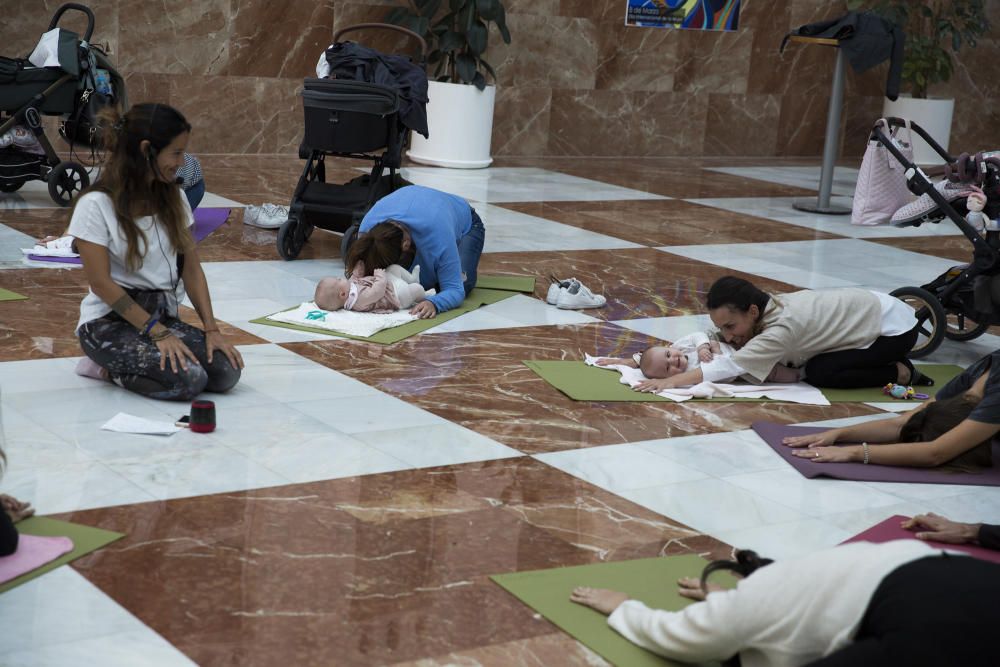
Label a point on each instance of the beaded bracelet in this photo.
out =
(864, 447)
(156, 338)
(150, 324)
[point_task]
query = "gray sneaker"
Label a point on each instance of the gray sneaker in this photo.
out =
(268, 216)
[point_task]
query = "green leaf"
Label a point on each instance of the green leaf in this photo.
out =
(466, 66)
(435, 56)
(452, 41)
(477, 36)
(501, 21)
(479, 81)
(457, 5)
(489, 68)
(430, 8)
(488, 9)
(396, 15)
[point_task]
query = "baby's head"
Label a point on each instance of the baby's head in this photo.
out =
(661, 361)
(331, 293)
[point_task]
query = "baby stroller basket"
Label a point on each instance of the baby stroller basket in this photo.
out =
(348, 116)
(20, 82)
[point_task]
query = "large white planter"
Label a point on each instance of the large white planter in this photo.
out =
(934, 115)
(460, 121)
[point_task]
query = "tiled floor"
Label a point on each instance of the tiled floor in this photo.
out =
(355, 497)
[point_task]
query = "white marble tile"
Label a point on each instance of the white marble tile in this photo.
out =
(845, 179)
(17, 377)
(284, 376)
(11, 242)
(35, 195)
(28, 444)
(212, 200)
(786, 540)
(436, 445)
(257, 280)
(62, 619)
(374, 412)
(68, 487)
(823, 263)
(620, 467)
(517, 311)
(718, 454)
(963, 354)
(712, 505)
(513, 231)
(858, 521)
(98, 401)
(668, 328)
(518, 184)
(922, 493)
(981, 505)
(898, 406)
(780, 209)
(89, 441)
(811, 497)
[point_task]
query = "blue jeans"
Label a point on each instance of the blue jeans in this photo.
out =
(470, 249)
(195, 193)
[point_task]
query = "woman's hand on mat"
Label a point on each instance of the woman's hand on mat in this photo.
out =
(827, 454)
(823, 439)
(216, 341)
(655, 386)
(690, 587)
(424, 310)
(601, 599)
(934, 527)
(174, 350)
(15, 509)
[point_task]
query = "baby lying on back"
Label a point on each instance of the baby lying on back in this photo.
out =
(388, 290)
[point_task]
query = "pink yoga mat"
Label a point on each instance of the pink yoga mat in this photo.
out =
(206, 221)
(890, 529)
(774, 433)
(32, 552)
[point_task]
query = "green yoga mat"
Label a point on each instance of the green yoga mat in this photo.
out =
(651, 580)
(85, 539)
(478, 297)
(524, 284)
(589, 383)
(7, 295)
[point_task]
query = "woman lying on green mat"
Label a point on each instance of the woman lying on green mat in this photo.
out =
(855, 605)
(843, 338)
(12, 510)
(955, 428)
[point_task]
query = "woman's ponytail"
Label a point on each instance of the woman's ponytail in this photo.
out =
(747, 562)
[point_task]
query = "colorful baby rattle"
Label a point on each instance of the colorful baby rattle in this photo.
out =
(901, 391)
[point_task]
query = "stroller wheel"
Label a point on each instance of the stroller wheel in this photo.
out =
(961, 327)
(289, 241)
(6, 186)
(347, 240)
(66, 181)
(930, 315)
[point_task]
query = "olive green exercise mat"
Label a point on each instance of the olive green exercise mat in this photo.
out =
(478, 297)
(581, 382)
(7, 295)
(85, 540)
(525, 284)
(650, 580)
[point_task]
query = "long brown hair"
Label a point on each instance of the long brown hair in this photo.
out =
(129, 175)
(378, 248)
(937, 419)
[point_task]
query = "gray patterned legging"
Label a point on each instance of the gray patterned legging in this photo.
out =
(133, 360)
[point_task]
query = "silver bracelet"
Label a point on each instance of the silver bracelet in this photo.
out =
(864, 447)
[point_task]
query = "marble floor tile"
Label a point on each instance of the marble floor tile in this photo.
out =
(620, 467)
(718, 454)
(71, 486)
(845, 179)
(668, 328)
(788, 539)
(436, 445)
(810, 497)
(507, 184)
(551, 649)
(512, 231)
(780, 209)
(517, 311)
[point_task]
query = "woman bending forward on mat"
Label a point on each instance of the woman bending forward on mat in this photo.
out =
(418, 226)
(854, 605)
(132, 231)
(843, 338)
(955, 428)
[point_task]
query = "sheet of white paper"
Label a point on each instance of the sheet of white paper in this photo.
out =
(126, 423)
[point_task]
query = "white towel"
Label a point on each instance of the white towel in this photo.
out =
(343, 321)
(60, 247)
(799, 392)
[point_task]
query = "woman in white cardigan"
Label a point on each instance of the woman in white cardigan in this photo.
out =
(844, 338)
(855, 605)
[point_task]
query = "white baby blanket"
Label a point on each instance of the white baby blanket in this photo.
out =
(799, 392)
(343, 321)
(60, 247)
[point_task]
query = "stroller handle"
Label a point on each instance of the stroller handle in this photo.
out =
(386, 26)
(80, 8)
(902, 122)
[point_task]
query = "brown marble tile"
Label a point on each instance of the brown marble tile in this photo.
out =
(625, 62)
(742, 124)
(554, 51)
(957, 248)
(25, 20)
(523, 126)
(477, 379)
(712, 61)
(175, 37)
(357, 571)
(555, 649)
(667, 222)
(277, 39)
(802, 125)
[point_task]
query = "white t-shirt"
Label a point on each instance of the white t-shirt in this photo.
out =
(94, 220)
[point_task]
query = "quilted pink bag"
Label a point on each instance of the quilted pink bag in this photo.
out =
(881, 189)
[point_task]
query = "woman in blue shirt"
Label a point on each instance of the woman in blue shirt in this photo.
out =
(418, 226)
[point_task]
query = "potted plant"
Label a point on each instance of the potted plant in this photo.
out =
(935, 31)
(460, 111)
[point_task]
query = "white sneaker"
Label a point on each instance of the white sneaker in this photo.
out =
(552, 298)
(577, 296)
(268, 216)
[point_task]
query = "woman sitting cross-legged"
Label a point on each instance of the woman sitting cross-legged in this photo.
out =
(132, 231)
(954, 428)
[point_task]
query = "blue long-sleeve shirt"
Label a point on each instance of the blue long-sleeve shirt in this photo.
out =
(436, 221)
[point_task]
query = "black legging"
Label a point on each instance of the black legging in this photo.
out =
(936, 611)
(874, 366)
(8, 535)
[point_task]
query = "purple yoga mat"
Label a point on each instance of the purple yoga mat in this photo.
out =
(774, 433)
(891, 529)
(32, 553)
(206, 221)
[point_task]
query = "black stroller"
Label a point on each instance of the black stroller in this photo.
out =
(353, 119)
(962, 303)
(28, 92)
